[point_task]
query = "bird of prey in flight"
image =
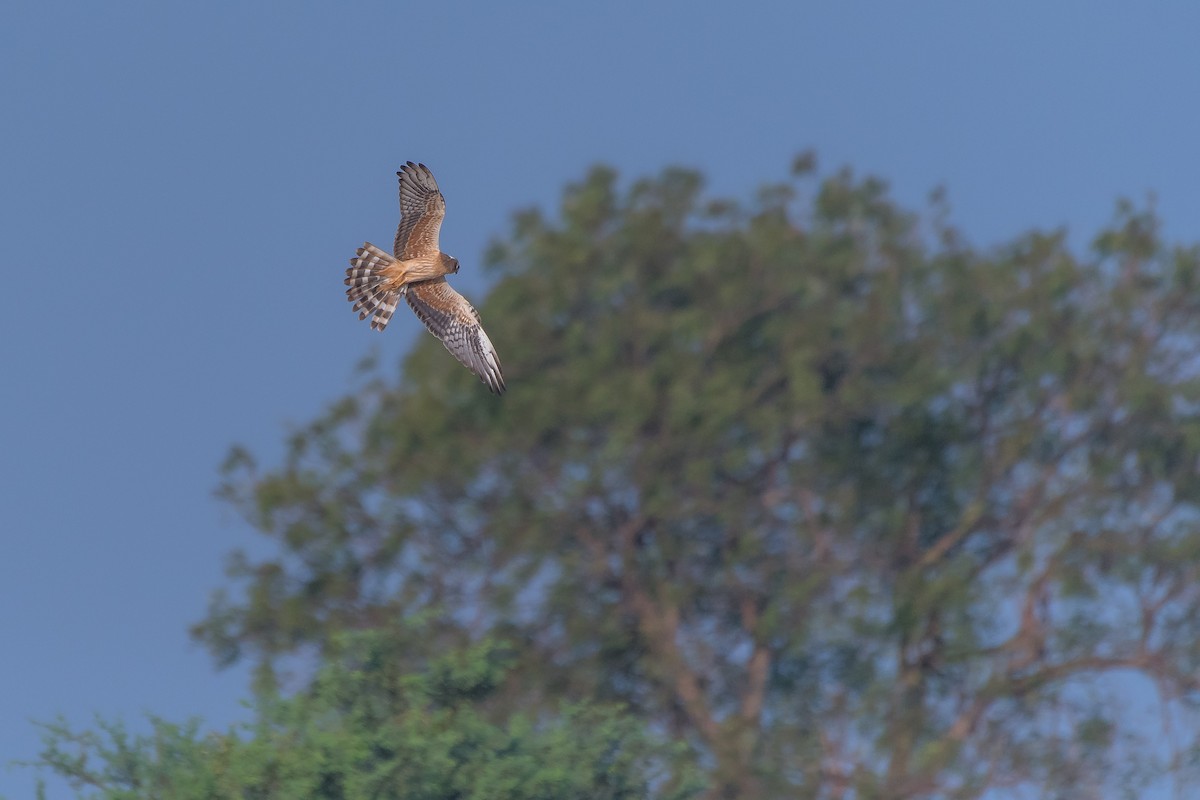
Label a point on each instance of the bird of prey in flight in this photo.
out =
(417, 269)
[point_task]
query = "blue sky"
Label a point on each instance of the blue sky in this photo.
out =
(181, 186)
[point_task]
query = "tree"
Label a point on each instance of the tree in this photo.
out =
(366, 729)
(848, 506)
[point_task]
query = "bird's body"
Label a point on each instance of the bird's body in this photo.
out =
(417, 269)
(421, 268)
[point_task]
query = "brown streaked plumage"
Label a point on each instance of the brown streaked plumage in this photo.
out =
(449, 317)
(417, 270)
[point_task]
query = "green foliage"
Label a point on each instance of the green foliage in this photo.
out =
(817, 489)
(366, 729)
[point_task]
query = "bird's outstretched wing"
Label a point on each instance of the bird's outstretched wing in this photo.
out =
(422, 209)
(449, 316)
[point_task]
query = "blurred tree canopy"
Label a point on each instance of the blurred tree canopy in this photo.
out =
(843, 505)
(368, 729)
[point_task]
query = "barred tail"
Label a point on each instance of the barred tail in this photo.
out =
(367, 291)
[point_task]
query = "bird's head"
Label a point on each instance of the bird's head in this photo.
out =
(453, 264)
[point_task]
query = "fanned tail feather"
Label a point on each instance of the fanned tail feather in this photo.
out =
(367, 292)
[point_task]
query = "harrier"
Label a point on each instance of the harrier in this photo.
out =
(417, 270)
